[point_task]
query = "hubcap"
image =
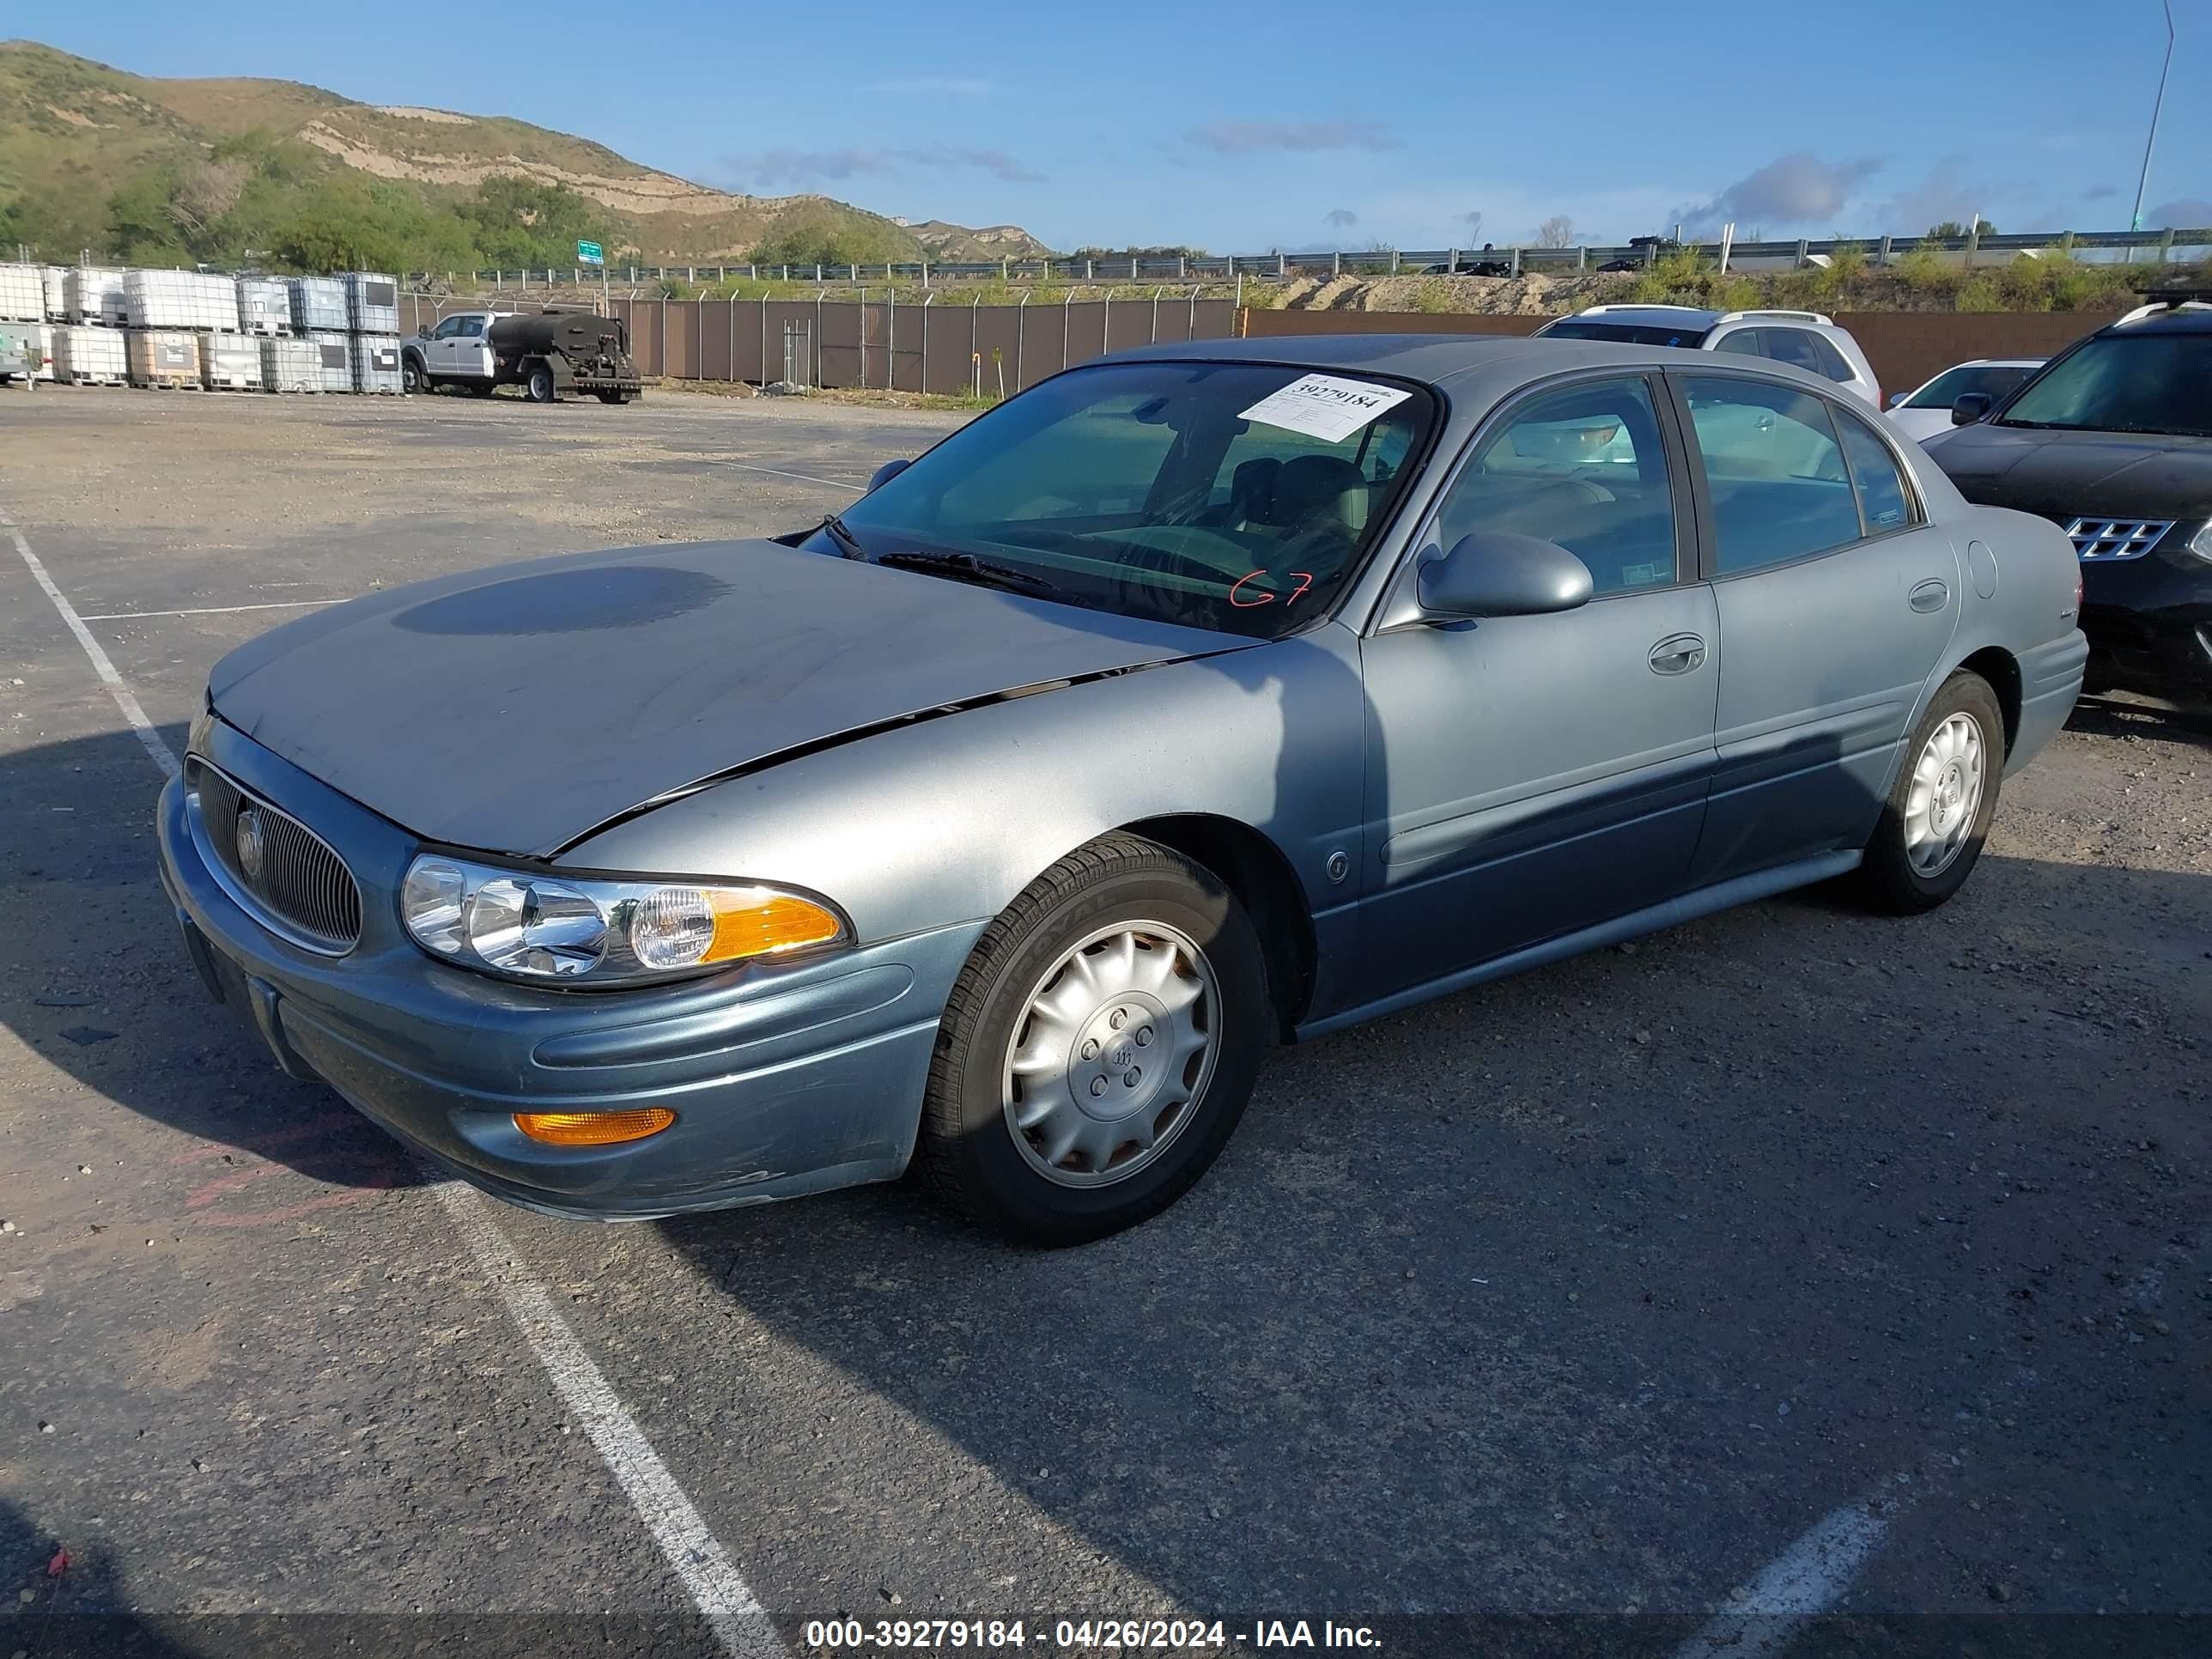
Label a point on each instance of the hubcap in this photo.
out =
(1946, 795)
(1111, 1053)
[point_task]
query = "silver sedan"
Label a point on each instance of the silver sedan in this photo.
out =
(1197, 699)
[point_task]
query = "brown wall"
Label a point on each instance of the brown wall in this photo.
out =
(908, 348)
(1904, 347)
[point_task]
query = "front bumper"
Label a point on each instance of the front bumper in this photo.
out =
(2149, 619)
(786, 1078)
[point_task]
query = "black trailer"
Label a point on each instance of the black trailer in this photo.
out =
(560, 349)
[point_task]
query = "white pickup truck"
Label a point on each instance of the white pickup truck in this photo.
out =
(455, 352)
(562, 348)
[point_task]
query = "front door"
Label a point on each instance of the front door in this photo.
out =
(1529, 776)
(1837, 599)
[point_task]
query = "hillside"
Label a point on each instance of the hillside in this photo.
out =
(74, 135)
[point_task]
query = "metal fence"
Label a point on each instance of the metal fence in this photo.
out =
(2165, 246)
(951, 348)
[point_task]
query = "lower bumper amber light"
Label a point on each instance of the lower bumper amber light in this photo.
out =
(593, 1128)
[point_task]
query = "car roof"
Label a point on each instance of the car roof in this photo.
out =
(1651, 316)
(1487, 367)
(2192, 318)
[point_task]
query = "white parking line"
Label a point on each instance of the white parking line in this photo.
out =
(210, 609)
(700, 1563)
(1762, 1618)
(101, 665)
(808, 477)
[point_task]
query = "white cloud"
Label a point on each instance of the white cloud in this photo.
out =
(810, 167)
(1248, 138)
(1796, 189)
(947, 86)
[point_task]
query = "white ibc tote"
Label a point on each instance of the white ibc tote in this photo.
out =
(22, 293)
(372, 302)
(291, 365)
(38, 347)
(264, 305)
(93, 294)
(180, 299)
(230, 362)
(318, 302)
(163, 356)
(55, 280)
(375, 359)
(333, 359)
(85, 355)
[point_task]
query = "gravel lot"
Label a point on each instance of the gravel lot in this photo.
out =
(1590, 1293)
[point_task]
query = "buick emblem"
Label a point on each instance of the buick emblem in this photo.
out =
(252, 848)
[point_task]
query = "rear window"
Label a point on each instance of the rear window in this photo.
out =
(1574, 328)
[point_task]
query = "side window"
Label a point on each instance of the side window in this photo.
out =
(1831, 361)
(471, 327)
(1744, 342)
(1883, 497)
(446, 330)
(1585, 467)
(1793, 346)
(1773, 468)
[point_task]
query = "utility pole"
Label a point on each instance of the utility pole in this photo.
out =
(2157, 106)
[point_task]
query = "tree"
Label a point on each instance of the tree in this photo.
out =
(1952, 229)
(1558, 231)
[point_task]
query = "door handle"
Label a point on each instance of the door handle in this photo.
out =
(1680, 654)
(1928, 596)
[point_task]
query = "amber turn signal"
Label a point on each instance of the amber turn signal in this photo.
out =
(593, 1128)
(760, 921)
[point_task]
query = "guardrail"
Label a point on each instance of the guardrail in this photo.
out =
(2165, 246)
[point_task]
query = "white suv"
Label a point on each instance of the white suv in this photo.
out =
(1803, 339)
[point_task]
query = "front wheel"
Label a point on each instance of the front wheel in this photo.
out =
(412, 380)
(1938, 813)
(1099, 1047)
(539, 386)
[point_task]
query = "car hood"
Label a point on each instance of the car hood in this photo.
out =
(519, 709)
(2064, 474)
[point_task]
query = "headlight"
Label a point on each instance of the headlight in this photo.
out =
(587, 931)
(2201, 543)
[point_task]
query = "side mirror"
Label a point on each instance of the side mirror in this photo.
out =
(886, 472)
(1494, 573)
(1970, 408)
(1897, 399)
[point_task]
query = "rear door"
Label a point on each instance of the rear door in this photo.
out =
(1529, 776)
(1836, 600)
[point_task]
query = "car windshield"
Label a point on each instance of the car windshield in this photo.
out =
(2159, 382)
(1954, 383)
(1235, 496)
(1627, 333)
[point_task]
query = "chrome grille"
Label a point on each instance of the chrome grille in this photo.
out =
(2102, 540)
(296, 884)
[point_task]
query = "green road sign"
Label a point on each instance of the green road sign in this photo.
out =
(591, 254)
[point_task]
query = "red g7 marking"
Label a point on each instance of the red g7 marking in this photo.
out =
(1305, 580)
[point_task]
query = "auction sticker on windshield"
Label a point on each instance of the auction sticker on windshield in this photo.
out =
(1325, 407)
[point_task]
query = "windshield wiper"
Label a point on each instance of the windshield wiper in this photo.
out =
(848, 543)
(966, 567)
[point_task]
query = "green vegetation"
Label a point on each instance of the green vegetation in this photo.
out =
(141, 170)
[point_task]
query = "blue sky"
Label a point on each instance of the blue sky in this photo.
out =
(1302, 125)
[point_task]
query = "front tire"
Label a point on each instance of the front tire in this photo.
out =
(413, 378)
(1099, 1047)
(1938, 813)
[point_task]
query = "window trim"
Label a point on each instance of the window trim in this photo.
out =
(1709, 538)
(1395, 607)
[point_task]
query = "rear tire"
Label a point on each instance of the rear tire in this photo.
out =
(538, 387)
(1939, 809)
(1098, 1048)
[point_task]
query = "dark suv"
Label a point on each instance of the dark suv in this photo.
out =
(2113, 440)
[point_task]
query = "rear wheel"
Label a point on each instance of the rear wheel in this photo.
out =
(538, 387)
(615, 397)
(1938, 813)
(1099, 1047)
